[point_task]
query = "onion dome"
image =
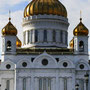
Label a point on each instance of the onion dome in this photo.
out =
(72, 43)
(18, 42)
(9, 29)
(54, 7)
(80, 30)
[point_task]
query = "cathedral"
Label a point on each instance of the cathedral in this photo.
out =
(44, 61)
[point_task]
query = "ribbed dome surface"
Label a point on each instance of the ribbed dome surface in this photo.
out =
(48, 7)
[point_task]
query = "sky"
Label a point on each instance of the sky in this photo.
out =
(17, 8)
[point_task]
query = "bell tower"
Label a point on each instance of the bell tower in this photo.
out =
(9, 37)
(81, 38)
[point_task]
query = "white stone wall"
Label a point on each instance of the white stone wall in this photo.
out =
(55, 70)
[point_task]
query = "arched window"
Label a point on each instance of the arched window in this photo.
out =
(28, 37)
(81, 46)
(44, 83)
(31, 36)
(36, 36)
(61, 36)
(54, 36)
(8, 46)
(66, 36)
(45, 36)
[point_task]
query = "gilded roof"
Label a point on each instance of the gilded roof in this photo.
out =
(80, 30)
(18, 42)
(9, 29)
(54, 7)
(72, 43)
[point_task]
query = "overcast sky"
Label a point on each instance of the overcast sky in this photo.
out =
(17, 8)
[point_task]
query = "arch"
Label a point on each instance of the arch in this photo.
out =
(20, 62)
(81, 46)
(84, 62)
(9, 46)
(51, 62)
(8, 61)
(69, 62)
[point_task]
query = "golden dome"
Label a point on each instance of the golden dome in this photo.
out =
(72, 43)
(48, 7)
(18, 43)
(9, 29)
(80, 30)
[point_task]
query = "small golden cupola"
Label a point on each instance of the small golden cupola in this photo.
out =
(36, 7)
(18, 42)
(9, 29)
(71, 43)
(81, 30)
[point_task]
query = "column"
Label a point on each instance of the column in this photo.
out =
(53, 84)
(20, 84)
(28, 84)
(36, 86)
(41, 33)
(73, 81)
(11, 84)
(57, 36)
(84, 85)
(26, 37)
(49, 35)
(61, 84)
(69, 83)
(3, 84)
(32, 83)
(57, 82)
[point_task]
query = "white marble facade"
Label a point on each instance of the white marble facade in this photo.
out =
(29, 70)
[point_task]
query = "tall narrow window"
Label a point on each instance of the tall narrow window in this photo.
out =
(45, 36)
(44, 83)
(28, 37)
(24, 83)
(66, 36)
(61, 36)
(54, 36)
(36, 35)
(81, 46)
(65, 84)
(8, 48)
(31, 36)
(8, 85)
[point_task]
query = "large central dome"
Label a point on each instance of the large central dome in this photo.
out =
(48, 7)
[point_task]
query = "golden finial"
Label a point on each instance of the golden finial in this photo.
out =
(9, 15)
(80, 16)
